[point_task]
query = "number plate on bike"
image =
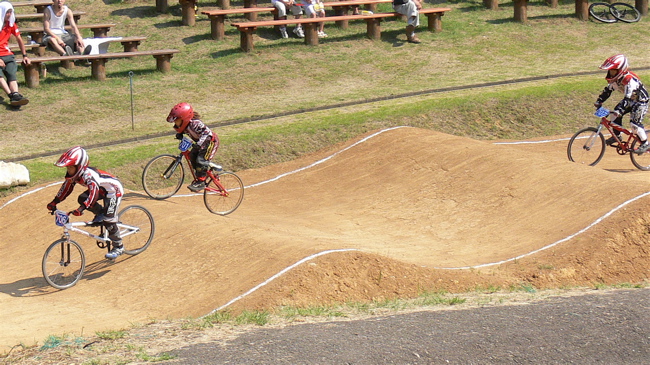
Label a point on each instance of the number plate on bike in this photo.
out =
(185, 145)
(60, 218)
(602, 112)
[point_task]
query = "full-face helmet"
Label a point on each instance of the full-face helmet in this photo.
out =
(183, 112)
(616, 67)
(75, 156)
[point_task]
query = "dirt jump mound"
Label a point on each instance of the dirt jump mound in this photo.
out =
(388, 214)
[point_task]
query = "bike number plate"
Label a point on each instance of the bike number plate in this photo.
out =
(602, 112)
(60, 218)
(185, 145)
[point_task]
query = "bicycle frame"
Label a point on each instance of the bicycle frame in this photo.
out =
(623, 146)
(63, 220)
(184, 147)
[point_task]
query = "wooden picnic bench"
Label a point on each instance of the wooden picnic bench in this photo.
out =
(99, 30)
(130, 44)
(39, 16)
(98, 63)
(373, 21)
(218, 16)
(38, 5)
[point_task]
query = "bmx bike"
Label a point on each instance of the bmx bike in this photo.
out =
(64, 261)
(611, 13)
(163, 176)
(587, 146)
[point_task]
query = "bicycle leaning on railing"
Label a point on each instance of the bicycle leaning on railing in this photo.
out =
(163, 176)
(587, 146)
(64, 261)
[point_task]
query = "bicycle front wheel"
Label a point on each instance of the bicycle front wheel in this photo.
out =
(586, 147)
(136, 229)
(224, 194)
(642, 161)
(64, 263)
(163, 176)
(625, 12)
(602, 12)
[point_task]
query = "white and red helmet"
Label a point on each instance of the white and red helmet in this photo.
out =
(616, 62)
(182, 111)
(75, 156)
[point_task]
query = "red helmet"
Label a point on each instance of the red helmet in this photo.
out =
(617, 62)
(182, 111)
(75, 156)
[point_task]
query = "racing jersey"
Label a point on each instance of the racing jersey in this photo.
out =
(631, 87)
(200, 133)
(100, 184)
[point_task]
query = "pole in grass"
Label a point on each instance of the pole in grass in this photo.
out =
(131, 86)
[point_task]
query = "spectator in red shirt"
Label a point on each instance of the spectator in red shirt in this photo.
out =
(8, 66)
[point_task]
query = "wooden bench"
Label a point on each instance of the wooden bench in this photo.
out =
(39, 16)
(38, 5)
(218, 16)
(98, 63)
(130, 44)
(373, 21)
(37, 33)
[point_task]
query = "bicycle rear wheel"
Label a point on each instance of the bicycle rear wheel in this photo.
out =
(602, 12)
(223, 195)
(586, 147)
(163, 176)
(642, 161)
(63, 264)
(625, 12)
(136, 229)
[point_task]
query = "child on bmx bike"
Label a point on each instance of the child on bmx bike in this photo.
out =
(186, 120)
(101, 185)
(635, 98)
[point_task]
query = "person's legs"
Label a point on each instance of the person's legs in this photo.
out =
(636, 119)
(51, 43)
(4, 85)
(297, 13)
(282, 15)
(410, 10)
(111, 206)
(11, 83)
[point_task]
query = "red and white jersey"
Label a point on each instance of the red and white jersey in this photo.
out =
(100, 184)
(200, 133)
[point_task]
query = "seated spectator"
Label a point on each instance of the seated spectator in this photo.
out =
(282, 5)
(56, 37)
(316, 9)
(8, 66)
(411, 9)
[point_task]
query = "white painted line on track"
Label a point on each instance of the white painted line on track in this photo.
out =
(554, 243)
(311, 257)
(27, 193)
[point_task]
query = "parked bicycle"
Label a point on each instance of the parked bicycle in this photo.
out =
(611, 13)
(64, 261)
(587, 146)
(163, 176)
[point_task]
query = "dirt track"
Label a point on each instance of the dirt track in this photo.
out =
(407, 201)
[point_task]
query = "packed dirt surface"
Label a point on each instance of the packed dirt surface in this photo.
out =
(390, 214)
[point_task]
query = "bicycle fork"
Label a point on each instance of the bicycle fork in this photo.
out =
(592, 139)
(172, 167)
